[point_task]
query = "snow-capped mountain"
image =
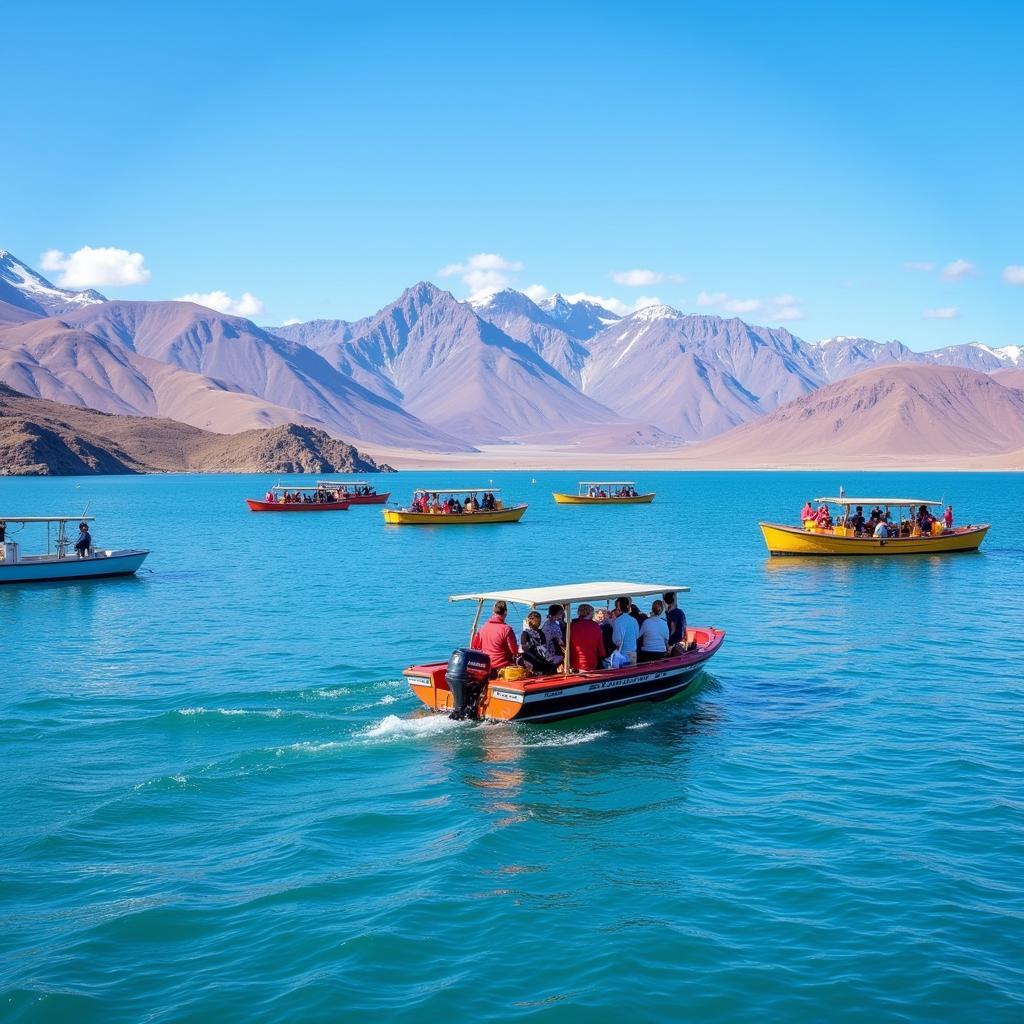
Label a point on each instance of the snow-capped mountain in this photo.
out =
(841, 356)
(22, 287)
(578, 317)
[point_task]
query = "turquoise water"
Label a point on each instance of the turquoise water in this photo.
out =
(220, 801)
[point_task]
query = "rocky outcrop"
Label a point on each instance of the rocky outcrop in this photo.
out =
(44, 438)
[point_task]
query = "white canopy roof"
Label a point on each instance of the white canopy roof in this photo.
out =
(46, 519)
(343, 483)
(606, 483)
(573, 593)
(449, 490)
(296, 487)
(878, 501)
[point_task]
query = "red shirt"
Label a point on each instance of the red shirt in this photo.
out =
(498, 641)
(586, 644)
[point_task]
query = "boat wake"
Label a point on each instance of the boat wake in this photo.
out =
(392, 727)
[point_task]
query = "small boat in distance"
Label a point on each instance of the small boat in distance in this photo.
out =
(441, 506)
(355, 492)
(605, 492)
(851, 534)
(61, 561)
(464, 685)
(299, 499)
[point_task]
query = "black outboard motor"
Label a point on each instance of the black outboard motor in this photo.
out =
(467, 675)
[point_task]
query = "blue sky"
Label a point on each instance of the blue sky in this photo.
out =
(787, 161)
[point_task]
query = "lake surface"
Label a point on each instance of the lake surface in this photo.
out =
(220, 801)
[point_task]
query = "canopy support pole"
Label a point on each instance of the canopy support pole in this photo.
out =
(476, 620)
(568, 636)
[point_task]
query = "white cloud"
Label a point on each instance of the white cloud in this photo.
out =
(291, 321)
(247, 305)
(643, 278)
(537, 292)
(613, 304)
(742, 305)
(786, 313)
(924, 268)
(942, 313)
(1013, 275)
(96, 268)
(711, 298)
(957, 270)
(483, 272)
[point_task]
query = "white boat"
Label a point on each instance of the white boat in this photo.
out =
(61, 561)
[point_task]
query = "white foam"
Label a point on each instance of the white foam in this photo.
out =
(639, 725)
(570, 739)
(272, 713)
(391, 727)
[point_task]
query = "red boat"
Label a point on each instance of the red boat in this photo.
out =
(466, 687)
(355, 492)
(283, 500)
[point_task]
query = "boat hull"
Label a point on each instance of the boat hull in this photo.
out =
(296, 506)
(368, 499)
(586, 499)
(48, 569)
(555, 697)
(795, 540)
(402, 517)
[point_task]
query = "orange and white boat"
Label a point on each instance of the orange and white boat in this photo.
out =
(465, 687)
(299, 499)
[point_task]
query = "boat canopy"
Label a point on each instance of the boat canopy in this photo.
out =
(334, 484)
(297, 487)
(449, 490)
(607, 483)
(878, 501)
(573, 593)
(46, 519)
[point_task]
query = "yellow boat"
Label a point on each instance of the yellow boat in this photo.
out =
(427, 508)
(603, 492)
(842, 539)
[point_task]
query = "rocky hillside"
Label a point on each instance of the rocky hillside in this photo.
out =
(38, 437)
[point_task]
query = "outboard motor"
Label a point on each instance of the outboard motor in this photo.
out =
(467, 675)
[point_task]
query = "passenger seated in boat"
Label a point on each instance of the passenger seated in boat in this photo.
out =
(676, 619)
(925, 519)
(824, 518)
(881, 529)
(471, 504)
(456, 508)
(554, 635)
(435, 505)
(534, 647)
(497, 639)
(654, 634)
(83, 546)
(905, 528)
(808, 511)
(634, 610)
(857, 522)
(603, 618)
(586, 645)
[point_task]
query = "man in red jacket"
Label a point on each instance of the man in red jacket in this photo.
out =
(586, 644)
(496, 639)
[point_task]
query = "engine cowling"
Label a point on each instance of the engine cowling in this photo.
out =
(466, 676)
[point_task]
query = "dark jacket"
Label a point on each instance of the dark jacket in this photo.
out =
(84, 541)
(534, 645)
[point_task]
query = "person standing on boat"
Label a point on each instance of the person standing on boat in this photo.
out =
(947, 518)
(497, 639)
(586, 644)
(625, 630)
(676, 619)
(83, 546)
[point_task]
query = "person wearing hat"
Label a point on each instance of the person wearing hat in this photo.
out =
(83, 546)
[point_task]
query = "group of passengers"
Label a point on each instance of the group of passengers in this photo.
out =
(317, 497)
(423, 502)
(879, 523)
(596, 639)
(625, 491)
